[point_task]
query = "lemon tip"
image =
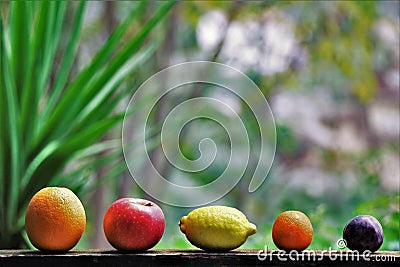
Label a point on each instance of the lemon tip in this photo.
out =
(252, 229)
(182, 224)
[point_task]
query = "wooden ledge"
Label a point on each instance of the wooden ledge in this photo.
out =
(73, 258)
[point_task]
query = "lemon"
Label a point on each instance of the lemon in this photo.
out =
(216, 228)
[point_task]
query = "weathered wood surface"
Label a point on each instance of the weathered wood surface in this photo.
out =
(97, 258)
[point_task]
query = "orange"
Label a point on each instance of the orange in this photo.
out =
(292, 230)
(55, 219)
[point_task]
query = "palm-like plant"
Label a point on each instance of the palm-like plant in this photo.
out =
(48, 115)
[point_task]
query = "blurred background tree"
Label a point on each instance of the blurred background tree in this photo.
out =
(330, 72)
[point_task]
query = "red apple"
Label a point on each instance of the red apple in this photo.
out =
(133, 224)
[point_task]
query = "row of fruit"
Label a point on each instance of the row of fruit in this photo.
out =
(55, 221)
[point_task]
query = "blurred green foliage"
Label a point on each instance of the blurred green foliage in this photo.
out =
(347, 59)
(50, 113)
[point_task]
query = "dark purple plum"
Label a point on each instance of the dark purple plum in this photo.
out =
(362, 233)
